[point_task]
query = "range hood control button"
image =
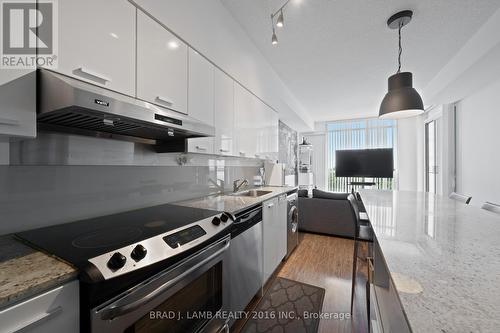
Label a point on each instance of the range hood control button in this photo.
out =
(117, 261)
(139, 252)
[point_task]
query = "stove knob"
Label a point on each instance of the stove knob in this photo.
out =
(216, 221)
(224, 217)
(117, 261)
(139, 252)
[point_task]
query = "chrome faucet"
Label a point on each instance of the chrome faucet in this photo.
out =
(236, 187)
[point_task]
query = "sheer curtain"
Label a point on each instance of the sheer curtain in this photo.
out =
(358, 134)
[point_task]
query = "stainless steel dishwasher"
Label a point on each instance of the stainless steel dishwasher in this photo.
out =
(245, 258)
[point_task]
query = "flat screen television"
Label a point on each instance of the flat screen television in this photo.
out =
(376, 163)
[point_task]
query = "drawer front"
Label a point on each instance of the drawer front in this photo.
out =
(54, 311)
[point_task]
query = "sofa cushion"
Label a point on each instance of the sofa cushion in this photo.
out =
(302, 193)
(329, 195)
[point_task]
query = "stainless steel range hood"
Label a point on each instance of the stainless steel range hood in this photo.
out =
(70, 105)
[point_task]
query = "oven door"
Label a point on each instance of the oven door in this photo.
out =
(185, 298)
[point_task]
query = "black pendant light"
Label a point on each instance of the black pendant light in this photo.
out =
(402, 100)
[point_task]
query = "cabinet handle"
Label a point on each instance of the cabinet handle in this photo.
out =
(270, 205)
(9, 122)
(38, 320)
(164, 100)
(257, 155)
(224, 150)
(242, 153)
(93, 74)
(201, 148)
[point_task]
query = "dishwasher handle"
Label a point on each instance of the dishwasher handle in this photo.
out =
(247, 216)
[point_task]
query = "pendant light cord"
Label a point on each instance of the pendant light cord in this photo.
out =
(400, 48)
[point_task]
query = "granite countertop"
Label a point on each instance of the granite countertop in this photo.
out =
(232, 203)
(25, 272)
(444, 259)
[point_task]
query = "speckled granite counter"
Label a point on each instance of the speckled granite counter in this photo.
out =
(443, 257)
(232, 203)
(25, 272)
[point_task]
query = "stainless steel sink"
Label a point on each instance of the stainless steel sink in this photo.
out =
(251, 193)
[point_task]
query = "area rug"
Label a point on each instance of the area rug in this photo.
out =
(287, 306)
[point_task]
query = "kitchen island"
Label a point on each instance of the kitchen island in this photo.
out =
(441, 258)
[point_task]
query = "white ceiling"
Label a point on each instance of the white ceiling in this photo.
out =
(335, 55)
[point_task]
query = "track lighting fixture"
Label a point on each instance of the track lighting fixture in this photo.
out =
(280, 22)
(274, 38)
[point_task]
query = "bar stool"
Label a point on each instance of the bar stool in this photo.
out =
(492, 207)
(363, 232)
(460, 197)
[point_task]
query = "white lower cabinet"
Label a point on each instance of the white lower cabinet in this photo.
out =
(56, 310)
(274, 234)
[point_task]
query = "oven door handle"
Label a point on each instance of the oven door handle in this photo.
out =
(120, 310)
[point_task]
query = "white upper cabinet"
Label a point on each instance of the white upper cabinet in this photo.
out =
(162, 65)
(274, 134)
(201, 88)
(246, 121)
(17, 103)
(201, 99)
(270, 142)
(97, 42)
(224, 114)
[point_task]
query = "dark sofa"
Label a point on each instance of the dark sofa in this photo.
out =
(326, 213)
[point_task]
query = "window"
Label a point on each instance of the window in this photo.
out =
(358, 134)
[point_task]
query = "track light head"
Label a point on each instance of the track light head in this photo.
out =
(280, 23)
(274, 39)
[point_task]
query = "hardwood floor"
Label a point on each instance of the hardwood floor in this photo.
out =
(326, 262)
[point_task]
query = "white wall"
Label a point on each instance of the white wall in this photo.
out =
(209, 28)
(407, 154)
(474, 66)
(478, 142)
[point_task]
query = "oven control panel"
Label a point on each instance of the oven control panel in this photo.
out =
(184, 236)
(160, 247)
